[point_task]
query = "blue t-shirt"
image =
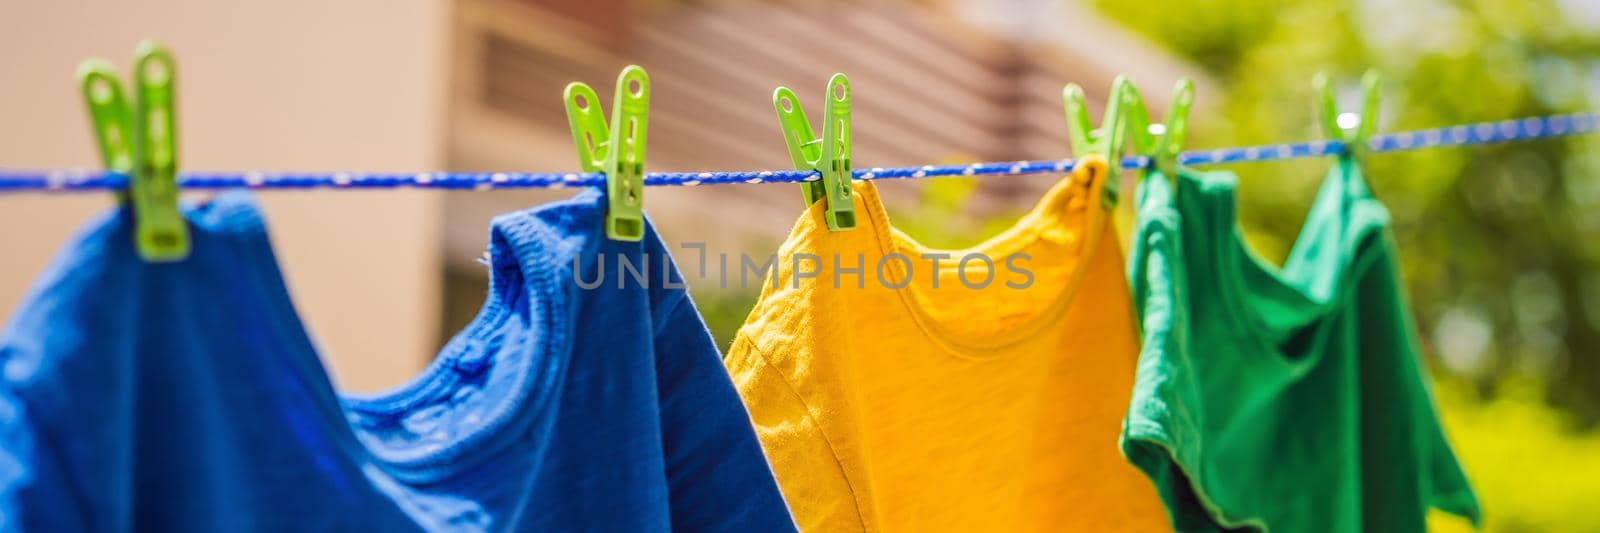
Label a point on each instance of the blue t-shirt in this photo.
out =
(188, 397)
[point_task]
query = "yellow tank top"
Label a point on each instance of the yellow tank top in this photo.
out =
(948, 404)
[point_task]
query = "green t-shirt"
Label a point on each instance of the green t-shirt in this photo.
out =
(1285, 399)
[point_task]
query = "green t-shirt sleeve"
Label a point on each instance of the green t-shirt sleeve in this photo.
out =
(1395, 364)
(1163, 430)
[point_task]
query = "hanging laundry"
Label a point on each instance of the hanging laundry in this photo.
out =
(1285, 399)
(188, 397)
(985, 395)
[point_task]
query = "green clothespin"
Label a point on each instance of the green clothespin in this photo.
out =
(141, 143)
(829, 155)
(1351, 129)
(1105, 141)
(617, 150)
(1161, 142)
(108, 114)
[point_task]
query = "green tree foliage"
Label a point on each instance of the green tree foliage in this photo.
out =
(1500, 244)
(1530, 471)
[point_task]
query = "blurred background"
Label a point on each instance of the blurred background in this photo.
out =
(1500, 244)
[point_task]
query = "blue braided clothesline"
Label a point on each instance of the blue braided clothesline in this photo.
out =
(62, 180)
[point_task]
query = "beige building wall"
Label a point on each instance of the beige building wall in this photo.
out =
(284, 85)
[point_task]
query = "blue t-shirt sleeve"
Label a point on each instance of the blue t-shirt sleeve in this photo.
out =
(35, 493)
(717, 476)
